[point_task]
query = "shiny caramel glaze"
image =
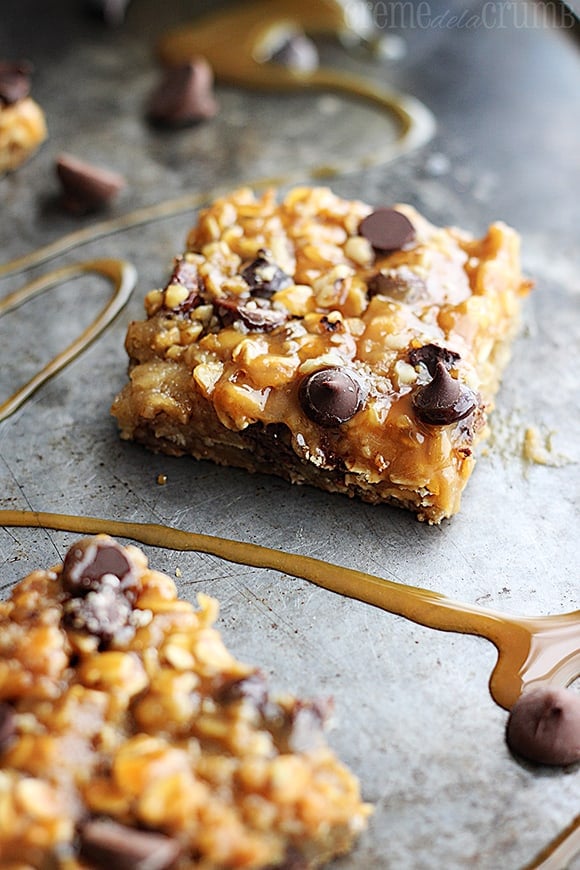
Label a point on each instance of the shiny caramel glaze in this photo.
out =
(122, 275)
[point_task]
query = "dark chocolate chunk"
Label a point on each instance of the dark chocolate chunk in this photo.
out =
(401, 284)
(91, 561)
(7, 725)
(544, 726)
(86, 188)
(444, 400)
(103, 614)
(430, 354)
(112, 12)
(297, 52)
(330, 396)
(387, 229)
(14, 82)
(111, 846)
(253, 688)
(184, 95)
(258, 318)
(187, 274)
(263, 277)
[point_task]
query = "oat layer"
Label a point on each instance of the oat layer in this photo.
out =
(269, 293)
(131, 738)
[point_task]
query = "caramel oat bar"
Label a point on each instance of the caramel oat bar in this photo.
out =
(358, 350)
(22, 122)
(131, 739)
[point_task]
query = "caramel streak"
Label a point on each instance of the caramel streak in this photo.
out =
(530, 649)
(560, 851)
(124, 277)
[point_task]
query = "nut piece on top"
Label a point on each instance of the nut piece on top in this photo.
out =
(131, 738)
(317, 338)
(22, 121)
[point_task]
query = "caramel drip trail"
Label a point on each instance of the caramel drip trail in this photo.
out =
(123, 276)
(560, 851)
(530, 649)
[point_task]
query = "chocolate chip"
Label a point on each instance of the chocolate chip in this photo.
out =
(297, 52)
(187, 274)
(264, 277)
(103, 614)
(253, 688)
(7, 726)
(544, 726)
(430, 354)
(92, 561)
(444, 400)
(86, 188)
(401, 284)
(14, 82)
(184, 95)
(257, 318)
(330, 396)
(111, 846)
(387, 229)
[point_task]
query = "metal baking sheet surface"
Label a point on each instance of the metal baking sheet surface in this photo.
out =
(414, 717)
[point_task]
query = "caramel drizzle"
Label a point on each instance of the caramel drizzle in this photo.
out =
(123, 276)
(531, 650)
(560, 851)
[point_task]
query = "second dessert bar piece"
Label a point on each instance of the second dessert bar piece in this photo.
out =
(331, 344)
(131, 739)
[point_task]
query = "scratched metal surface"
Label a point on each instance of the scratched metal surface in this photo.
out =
(414, 716)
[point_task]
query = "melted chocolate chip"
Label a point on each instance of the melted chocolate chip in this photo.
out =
(330, 396)
(86, 188)
(444, 400)
(264, 277)
(253, 689)
(7, 726)
(544, 726)
(93, 561)
(187, 274)
(103, 614)
(297, 52)
(110, 846)
(430, 354)
(184, 96)
(14, 82)
(257, 318)
(401, 284)
(387, 229)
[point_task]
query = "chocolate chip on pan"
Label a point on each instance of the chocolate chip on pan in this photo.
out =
(387, 229)
(544, 726)
(90, 560)
(297, 52)
(330, 396)
(444, 400)
(108, 845)
(184, 96)
(86, 188)
(14, 82)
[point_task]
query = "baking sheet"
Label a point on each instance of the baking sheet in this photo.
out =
(414, 718)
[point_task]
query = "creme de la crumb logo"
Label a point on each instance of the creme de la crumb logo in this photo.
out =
(434, 15)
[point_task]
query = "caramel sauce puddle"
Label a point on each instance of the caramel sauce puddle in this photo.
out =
(531, 650)
(123, 277)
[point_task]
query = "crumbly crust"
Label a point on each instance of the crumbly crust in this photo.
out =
(22, 131)
(216, 367)
(154, 728)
